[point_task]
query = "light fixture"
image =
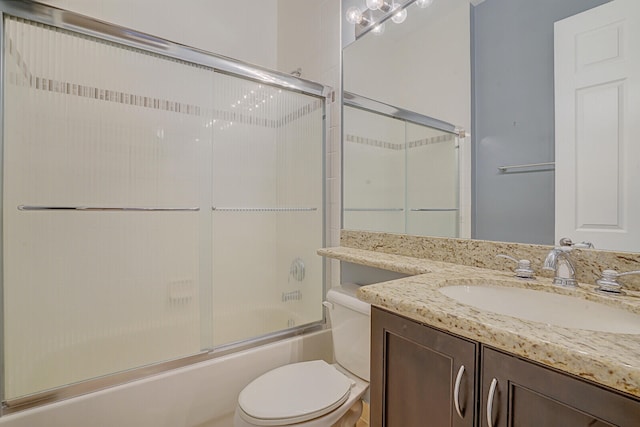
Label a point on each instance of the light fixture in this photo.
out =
(399, 16)
(424, 3)
(354, 16)
(375, 4)
(369, 19)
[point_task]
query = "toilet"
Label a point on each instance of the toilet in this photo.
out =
(315, 393)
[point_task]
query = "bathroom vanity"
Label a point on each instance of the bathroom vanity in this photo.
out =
(517, 371)
(422, 376)
(414, 371)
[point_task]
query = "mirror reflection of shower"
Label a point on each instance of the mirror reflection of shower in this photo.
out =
(399, 176)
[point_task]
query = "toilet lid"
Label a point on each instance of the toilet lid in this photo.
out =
(294, 393)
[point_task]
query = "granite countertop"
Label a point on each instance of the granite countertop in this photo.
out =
(610, 359)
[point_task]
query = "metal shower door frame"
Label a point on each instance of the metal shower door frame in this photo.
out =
(84, 25)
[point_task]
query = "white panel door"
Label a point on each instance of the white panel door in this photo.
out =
(597, 141)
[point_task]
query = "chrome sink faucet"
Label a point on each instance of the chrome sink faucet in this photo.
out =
(558, 260)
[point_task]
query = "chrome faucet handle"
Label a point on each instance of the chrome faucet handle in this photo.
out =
(608, 283)
(565, 241)
(523, 269)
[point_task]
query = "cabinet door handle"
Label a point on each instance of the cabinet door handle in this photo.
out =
(492, 392)
(456, 391)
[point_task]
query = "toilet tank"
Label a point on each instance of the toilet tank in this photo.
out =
(350, 328)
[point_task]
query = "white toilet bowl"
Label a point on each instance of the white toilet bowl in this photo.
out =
(315, 393)
(306, 394)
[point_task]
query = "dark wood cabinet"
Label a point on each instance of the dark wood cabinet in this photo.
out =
(414, 372)
(529, 395)
(415, 369)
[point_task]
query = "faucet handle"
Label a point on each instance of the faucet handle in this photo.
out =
(567, 242)
(608, 283)
(523, 270)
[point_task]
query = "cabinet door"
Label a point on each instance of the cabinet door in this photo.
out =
(417, 375)
(529, 395)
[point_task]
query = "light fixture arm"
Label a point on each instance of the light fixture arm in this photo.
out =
(386, 6)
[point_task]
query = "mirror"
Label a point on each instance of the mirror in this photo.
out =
(401, 171)
(506, 47)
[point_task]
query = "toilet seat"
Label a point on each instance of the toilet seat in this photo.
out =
(293, 394)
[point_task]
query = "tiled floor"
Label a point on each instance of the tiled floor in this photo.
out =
(364, 419)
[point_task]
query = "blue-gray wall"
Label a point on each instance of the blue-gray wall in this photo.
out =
(513, 116)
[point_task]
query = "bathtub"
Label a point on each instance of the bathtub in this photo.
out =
(199, 395)
(236, 325)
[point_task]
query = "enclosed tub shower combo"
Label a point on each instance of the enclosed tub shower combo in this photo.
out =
(160, 204)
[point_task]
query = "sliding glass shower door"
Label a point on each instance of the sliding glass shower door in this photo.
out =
(432, 182)
(399, 176)
(153, 208)
(374, 173)
(102, 192)
(267, 217)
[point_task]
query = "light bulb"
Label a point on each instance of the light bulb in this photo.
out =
(399, 16)
(424, 3)
(378, 29)
(354, 16)
(375, 4)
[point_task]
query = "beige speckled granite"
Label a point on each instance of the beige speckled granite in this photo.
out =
(589, 263)
(391, 262)
(609, 359)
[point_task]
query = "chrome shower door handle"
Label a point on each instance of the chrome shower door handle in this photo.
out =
(490, 396)
(456, 391)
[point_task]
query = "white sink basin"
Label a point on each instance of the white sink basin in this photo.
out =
(545, 307)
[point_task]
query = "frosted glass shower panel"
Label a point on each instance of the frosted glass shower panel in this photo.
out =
(374, 172)
(105, 174)
(267, 217)
(432, 182)
(398, 176)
